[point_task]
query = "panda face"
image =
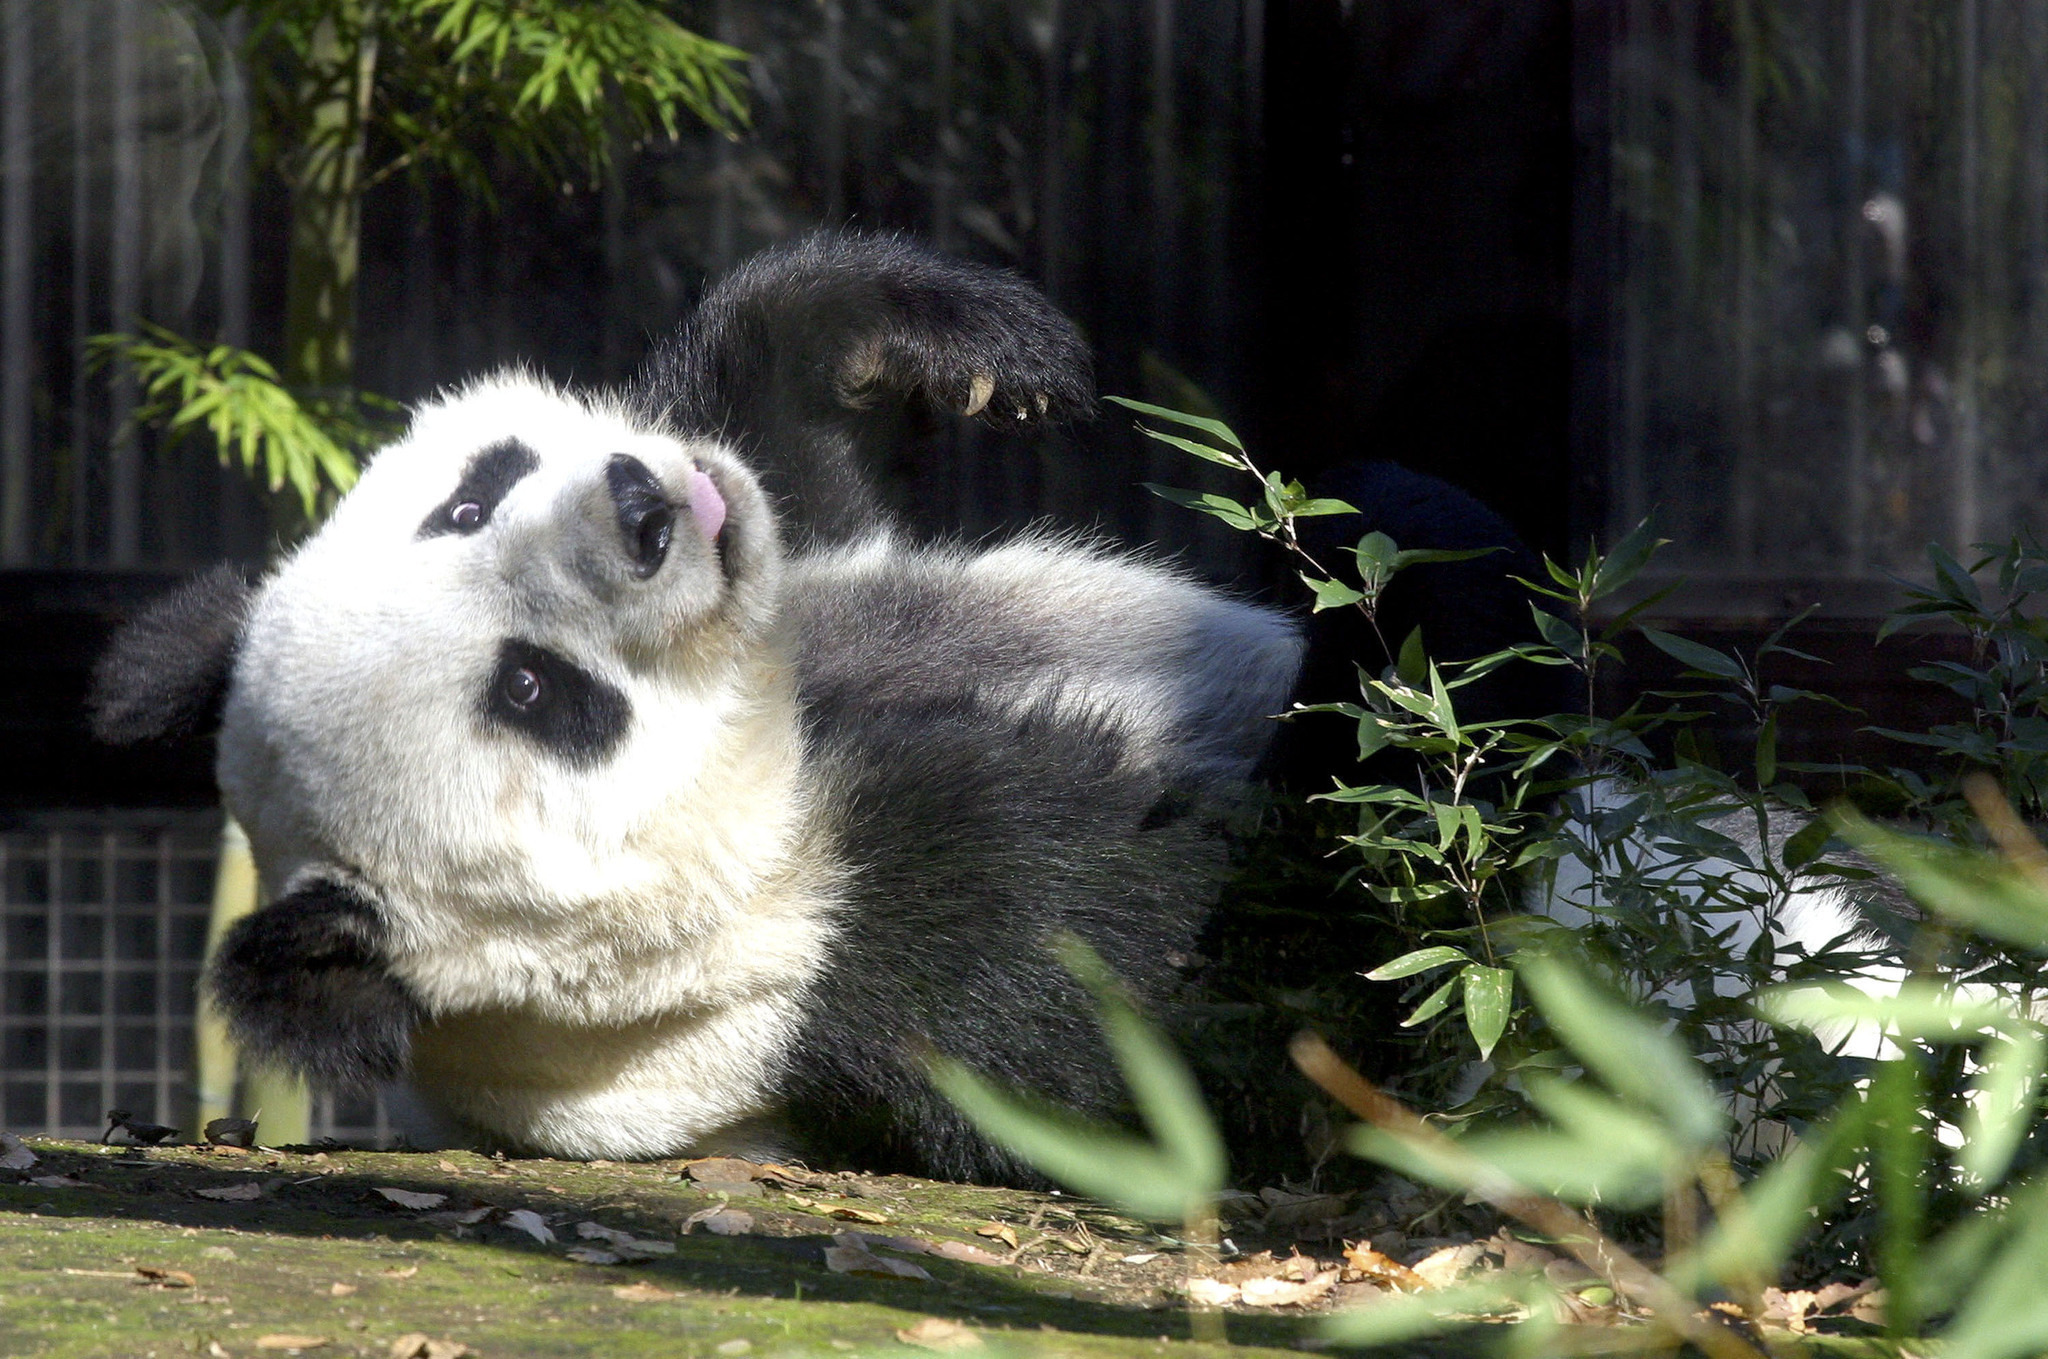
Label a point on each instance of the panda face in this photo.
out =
(525, 688)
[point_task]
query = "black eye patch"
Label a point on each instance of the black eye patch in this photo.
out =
(555, 703)
(490, 474)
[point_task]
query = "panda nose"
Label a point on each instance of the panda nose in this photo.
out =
(646, 519)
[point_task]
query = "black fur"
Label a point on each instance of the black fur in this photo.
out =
(555, 703)
(302, 983)
(785, 352)
(974, 836)
(166, 672)
(490, 474)
(975, 833)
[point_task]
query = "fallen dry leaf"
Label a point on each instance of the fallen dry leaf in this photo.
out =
(13, 1154)
(530, 1222)
(445, 1164)
(728, 1173)
(405, 1273)
(412, 1198)
(1362, 1262)
(790, 1177)
(591, 1255)
(287, 1341)
(852, 1214)
(244, 1192)
(1286, 1292)
(55, 1182)
(642, 1292)
(1143, 1257)
(937, 1333)
(857, 1259)
(419, 1345)
(1001, 1231)
(1211, 1292)
(1444, 1266)
(720, 1221)
(163, 1278)
(340, 1290)
(467, 1217)
(730, 1347)
(964, 1253)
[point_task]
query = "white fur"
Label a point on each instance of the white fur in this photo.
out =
(615, 955)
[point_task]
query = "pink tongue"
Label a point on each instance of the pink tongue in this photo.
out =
(707, 506)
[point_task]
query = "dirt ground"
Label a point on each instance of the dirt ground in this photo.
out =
(161, 1251)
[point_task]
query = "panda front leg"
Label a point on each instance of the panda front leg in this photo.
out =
(303, 983)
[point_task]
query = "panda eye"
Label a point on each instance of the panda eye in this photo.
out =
(522, 688)
(467, 515)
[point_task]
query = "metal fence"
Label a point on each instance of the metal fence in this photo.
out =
(102, 933)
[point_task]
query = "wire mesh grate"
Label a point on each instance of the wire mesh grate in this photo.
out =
(102, 935)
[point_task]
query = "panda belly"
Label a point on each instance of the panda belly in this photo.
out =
(656, 1087)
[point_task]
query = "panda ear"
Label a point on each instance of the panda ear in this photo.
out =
(304, 983)
(166, 671)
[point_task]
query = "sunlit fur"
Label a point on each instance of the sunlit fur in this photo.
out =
(613, 958)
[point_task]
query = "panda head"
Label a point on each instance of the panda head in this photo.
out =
(481, 694)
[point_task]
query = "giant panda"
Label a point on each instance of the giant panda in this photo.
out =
(624, 783)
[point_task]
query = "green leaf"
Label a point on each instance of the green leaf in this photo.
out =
(1626, 559)
(1229, 511)
(1635, 1058)
(2001, 1316)
(1420, 960)
(1166, 1180)
(1412, 665)
(1919, 1009)
(1165, 1091)
(1202, 451)
(1309, 509)
(1767, 752)
(1398, 1317)
(1331, 594)
(1087, 1157)
(1806, 844)
(1556, 631)
(1693, 655)
(1978, 889)
(1214, 428)
(1488, 991)
(1434, 1004)
(1754, 1236)
(2006, 1101)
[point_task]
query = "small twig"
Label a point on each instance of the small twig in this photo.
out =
(2007, 831)
(1557, 1221)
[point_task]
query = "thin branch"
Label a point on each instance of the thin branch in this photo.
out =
(1559, 1222)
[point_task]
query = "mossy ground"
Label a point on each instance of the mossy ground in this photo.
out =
(322, 1255)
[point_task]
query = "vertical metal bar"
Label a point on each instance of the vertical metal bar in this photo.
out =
(17, 360)
(1747, 217)
(1856, 452)
(1963, 487)
(124, 464)
(110, 973)
(1162, 524)
(53, 847)
(1629, 101)
(83, 144)
(164, 1080)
